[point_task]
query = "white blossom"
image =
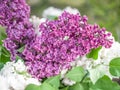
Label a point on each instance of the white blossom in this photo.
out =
(63, 72)
(68, 82)
(16, 76)
(3, 83)
(36, 21)
(71, 10)
(52, 11)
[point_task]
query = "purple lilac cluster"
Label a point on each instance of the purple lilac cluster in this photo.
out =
(12, 11)
(60, 42)
(14, 15)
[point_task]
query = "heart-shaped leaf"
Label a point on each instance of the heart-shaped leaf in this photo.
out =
(76, 74)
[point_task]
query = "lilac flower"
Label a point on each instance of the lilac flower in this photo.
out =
(13, 11)
(60, 42)
(14, 15)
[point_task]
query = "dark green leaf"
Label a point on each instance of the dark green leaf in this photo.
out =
(4, 54)
(94, 53)
(1, 65)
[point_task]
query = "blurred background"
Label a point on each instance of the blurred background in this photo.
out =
(106, 13)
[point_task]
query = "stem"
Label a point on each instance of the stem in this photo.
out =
(84, 77)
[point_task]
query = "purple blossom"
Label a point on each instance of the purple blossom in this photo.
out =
(14, 15)
(13, 11)
(11, 46)
(60, 42)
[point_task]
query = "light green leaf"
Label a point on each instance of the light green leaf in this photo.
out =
(79, 86)
(32, 87)
(94, 53)
(54, 81)
(76, 87)
(46, 86)
(114, 67)
(21, 49)
(105, 83)
(65, 88)
(52, 17)
(97, 72)
(76, 74)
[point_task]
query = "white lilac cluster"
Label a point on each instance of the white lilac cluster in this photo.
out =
(52, 11)
(14, 76)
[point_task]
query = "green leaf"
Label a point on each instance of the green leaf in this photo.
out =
(1, 65)
(2, 34)
(21, 49)
(46, 86)
(52, 17)
(32, 87)
(18, 58)
(4, 54)
(96, 73)
(4, 58)
(114, 67)
(105, 83)
(65, 88)
(76, 74)
(94, 53)
(54, 81)
(79, 86)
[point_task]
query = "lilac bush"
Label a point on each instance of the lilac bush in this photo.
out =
(59, 43)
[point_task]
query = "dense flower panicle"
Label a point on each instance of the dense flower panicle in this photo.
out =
(20, 32)
(12, 11)
(11, 46)
(14, 15)
(60, 42)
